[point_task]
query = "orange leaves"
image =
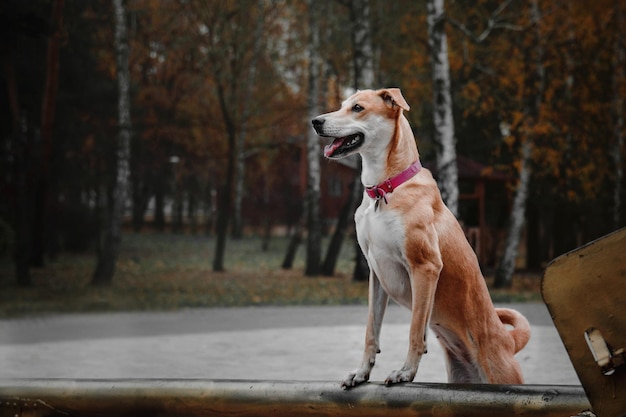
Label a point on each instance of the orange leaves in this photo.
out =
(476, 103)
(546, 82)
(471, 91)
(182, 51)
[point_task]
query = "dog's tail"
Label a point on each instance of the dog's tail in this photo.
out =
(521, 328)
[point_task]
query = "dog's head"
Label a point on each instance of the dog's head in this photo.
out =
(365, 123)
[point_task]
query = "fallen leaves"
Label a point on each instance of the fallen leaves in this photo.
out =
(169, 272)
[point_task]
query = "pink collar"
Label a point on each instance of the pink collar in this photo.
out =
(379, 191)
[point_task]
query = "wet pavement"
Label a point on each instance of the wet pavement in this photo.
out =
(270, 343)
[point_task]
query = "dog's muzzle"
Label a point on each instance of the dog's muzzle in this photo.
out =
(340, 146)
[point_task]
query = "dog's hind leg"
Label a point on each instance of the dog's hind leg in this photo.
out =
(377, 301)
(500, 365)
(461, 370)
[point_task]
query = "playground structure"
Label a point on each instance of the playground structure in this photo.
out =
(585, 294)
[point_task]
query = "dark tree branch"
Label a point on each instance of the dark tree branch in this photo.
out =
(493, 22)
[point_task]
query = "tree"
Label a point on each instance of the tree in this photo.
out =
(228, 105)
(362, 47)
(197, 89)
(362, 77)
(447, 175)
(110, 241)
(225, 200)
(42, 216)
(223, 59)
(18, 139)
(27, 119)
(241, 140)
(314, 235)
(532, 114)
(617, 80)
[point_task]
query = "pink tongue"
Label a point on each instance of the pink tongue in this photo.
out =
(330, 149)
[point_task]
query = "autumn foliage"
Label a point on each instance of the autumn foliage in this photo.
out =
(214, 81)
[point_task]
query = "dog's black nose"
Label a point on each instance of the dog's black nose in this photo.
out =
(318, 122)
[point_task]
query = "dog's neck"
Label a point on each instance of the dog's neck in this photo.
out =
(400, 152)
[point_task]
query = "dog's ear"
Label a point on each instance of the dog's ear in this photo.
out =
(393, 97)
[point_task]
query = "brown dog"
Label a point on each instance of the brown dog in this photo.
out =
(417, 252)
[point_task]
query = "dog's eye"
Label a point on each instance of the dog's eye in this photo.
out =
(357, 108)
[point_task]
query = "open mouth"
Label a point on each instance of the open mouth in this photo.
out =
(341, 146)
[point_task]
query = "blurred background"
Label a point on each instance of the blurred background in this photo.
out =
(158, 154)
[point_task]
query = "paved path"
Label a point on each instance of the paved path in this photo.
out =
(288, 343)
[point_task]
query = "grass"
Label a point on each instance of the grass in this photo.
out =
(169, 272)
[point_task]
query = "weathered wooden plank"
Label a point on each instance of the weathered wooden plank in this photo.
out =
(586, 289)
(41, 397)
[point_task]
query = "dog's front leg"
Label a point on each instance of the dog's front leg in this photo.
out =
(423, 285)
(377, 302)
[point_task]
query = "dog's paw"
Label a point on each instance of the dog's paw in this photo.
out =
(403, 375)
(354, 378)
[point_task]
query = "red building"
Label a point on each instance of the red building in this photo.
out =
(279, 188)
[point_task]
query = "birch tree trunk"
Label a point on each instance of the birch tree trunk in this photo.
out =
(363, 51)
(618, 113)
(314, 237)
(110, 241)
(445, 141)
(363, 76)
(506, 267)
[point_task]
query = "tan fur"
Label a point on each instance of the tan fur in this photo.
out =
(419, 256)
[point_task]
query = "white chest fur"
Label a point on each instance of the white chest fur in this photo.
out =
(381, 235)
